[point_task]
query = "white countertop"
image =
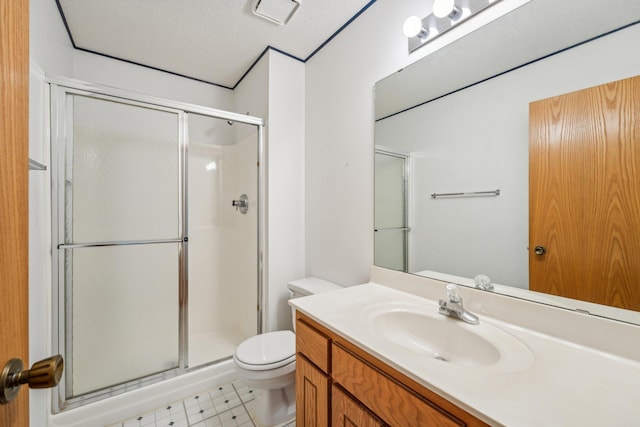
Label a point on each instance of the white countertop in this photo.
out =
(565, 384)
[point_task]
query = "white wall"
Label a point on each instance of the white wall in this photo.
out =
(274, 90)
(49, 44)
(339, 135)
(285, 126)
(123, 75)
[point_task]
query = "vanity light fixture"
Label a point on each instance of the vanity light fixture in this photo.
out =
(446, 15)
(445, 8)
(413, 27)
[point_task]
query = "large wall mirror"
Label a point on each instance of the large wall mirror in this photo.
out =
(460, 120)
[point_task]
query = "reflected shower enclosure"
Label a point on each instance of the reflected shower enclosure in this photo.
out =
(156, 272)
(391, 229)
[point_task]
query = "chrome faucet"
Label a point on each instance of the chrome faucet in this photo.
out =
(453, 307)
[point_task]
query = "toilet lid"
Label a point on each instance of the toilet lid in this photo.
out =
(267, 351)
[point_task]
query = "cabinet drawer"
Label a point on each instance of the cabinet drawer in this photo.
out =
(314, 345)
(393, 403)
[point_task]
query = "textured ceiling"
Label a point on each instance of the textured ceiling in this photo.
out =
(215, 41)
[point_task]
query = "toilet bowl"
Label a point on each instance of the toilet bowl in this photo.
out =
(267, 362)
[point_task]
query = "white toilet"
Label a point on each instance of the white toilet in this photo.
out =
(267, 362)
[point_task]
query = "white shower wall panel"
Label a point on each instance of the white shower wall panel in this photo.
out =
(241, 259)
(205, 193)
(222, 247)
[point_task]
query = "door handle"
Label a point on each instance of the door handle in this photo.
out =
(43, 374)
(540, 250)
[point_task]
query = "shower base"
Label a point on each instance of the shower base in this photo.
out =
(207, 347)
(129, 404)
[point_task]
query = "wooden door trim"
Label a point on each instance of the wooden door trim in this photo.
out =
(14, 188)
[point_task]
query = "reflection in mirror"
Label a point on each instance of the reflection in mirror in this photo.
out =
(461, 115)
(391, 231)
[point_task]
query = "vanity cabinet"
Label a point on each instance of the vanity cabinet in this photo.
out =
(339, 384)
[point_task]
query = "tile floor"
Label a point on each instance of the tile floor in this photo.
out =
(230, 404)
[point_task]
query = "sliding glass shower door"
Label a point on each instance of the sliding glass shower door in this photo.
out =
(156, 237)
(121, 218)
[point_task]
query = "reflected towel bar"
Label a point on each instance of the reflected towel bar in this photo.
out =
(36, 166)
(473, 193)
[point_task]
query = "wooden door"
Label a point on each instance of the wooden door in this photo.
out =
(584, 201)
(14, 187)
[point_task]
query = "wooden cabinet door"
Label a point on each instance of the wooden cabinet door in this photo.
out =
(312, 395)
(584, 194)
(14, 188)
(346, 412)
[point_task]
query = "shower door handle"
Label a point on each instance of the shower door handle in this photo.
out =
(43, 374)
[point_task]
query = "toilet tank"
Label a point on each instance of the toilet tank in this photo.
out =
(308, 286)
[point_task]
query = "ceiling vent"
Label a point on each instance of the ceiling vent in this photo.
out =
(276, 11)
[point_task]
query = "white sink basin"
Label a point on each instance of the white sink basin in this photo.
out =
(420, 329)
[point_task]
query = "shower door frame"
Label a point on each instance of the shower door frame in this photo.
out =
(59, 89)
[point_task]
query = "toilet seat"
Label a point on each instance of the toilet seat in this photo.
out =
(266, 351)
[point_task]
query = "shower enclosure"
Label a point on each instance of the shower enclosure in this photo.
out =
(391, 213)
(156, 237)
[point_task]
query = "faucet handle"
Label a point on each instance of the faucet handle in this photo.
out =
(483, 282)
(452, 293)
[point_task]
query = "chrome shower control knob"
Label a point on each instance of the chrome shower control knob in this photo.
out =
(242, 204)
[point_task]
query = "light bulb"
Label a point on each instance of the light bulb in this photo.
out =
(413, 27)
(443, 8)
